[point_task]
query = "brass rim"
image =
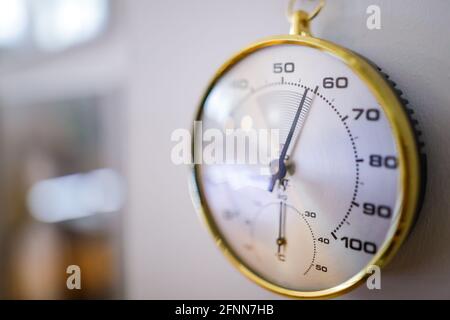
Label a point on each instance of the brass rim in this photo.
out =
(406, 148)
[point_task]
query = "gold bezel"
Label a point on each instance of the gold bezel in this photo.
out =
(405, 144)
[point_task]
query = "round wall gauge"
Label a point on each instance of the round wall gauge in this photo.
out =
(344, 189)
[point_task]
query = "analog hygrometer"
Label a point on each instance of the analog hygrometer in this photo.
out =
(344, 189)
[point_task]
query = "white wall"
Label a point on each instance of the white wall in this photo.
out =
(175, 48)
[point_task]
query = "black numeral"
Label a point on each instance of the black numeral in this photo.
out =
(380, 211)
(359, 245)
(330, 82)
(368, 114)
(310, 214)
(287, 67)
(324, 240)
(377, 161)
(321, 268)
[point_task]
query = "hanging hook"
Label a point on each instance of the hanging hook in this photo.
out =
(300, 20)
(291, 10)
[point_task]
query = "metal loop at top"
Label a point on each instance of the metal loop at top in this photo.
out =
(311, 15)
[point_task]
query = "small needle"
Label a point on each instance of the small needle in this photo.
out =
(281, 240)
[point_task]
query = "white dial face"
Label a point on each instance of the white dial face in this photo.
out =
(318, 213)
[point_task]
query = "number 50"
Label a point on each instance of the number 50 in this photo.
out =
(287, 67)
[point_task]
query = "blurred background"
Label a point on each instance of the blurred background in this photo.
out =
(62, 137)
(90, 91)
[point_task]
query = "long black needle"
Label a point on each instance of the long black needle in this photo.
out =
(281, 166)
